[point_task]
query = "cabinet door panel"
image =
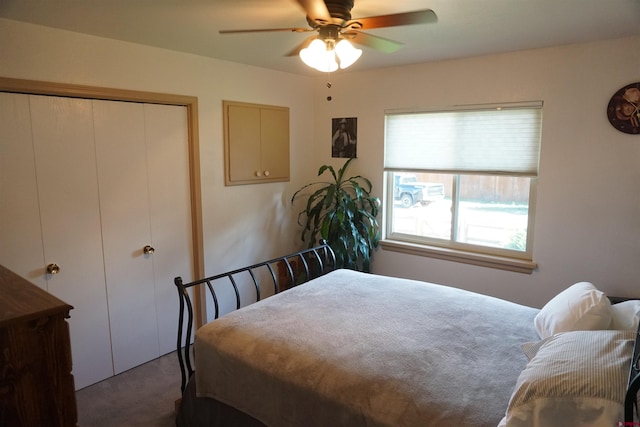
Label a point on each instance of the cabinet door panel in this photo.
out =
(126, 229)
(275, 142)
(21, 243)
(243, 133)
(169, 195)
(65, 156)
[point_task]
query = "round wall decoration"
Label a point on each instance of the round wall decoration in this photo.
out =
(624, 109)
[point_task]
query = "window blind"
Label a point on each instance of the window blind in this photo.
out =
(494, 139)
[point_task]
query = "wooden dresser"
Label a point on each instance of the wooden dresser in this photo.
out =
(36, 384)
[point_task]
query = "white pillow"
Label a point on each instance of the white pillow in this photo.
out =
(625, 315)
(580, 307)
(573, 378)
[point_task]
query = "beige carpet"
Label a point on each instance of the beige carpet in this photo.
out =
(143, 396)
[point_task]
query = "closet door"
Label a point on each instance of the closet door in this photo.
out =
(65, 163)
(170, 205)
(21, 243)
(87, 185)
(126, 230)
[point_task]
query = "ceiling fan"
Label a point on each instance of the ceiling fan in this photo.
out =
(331, 19)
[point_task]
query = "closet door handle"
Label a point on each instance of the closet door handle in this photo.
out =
(53, 269)
(148, 250)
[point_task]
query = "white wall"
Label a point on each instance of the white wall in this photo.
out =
(588, 219)
(588, 211)
(242, 224)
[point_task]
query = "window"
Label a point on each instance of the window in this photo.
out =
(460, 183)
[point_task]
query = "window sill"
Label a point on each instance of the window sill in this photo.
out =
(482, 260)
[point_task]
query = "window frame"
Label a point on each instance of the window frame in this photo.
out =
(450, 249)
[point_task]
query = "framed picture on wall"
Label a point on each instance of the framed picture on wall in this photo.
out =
(344, 137)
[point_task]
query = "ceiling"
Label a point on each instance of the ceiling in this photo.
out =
(464, 27)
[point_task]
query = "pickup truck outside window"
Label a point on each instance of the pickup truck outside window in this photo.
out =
(408, 190)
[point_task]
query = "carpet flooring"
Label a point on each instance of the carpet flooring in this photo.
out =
(143, 396)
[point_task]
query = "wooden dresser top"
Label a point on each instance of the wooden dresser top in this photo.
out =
(21, 300)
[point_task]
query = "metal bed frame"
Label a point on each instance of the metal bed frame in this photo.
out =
(300, 267)
(633, 385)
(293, 269)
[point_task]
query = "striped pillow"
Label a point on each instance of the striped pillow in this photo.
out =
(577, 377)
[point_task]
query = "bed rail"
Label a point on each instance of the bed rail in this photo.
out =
(631, 397)
(277, 275)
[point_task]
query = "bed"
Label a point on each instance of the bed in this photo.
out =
(335, 347)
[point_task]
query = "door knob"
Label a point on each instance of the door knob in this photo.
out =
(53, 269)
(148, 250)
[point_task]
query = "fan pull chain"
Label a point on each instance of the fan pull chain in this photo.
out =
(329, 87)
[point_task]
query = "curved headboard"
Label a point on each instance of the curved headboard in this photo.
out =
(277, 275)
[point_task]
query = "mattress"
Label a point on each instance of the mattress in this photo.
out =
(357, 349)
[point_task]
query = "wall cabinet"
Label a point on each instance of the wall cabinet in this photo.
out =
(90, 184)
(256, 141)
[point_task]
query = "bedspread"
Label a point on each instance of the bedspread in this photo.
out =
(357, 349)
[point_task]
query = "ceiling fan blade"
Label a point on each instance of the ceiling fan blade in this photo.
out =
(408, 18)
(304, 44)
(375, 42)
(262, 30)
(316, 11)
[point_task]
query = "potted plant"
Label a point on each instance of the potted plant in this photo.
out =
(342, 212)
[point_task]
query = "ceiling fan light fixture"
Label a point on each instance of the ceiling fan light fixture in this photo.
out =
(347, 54)
(325, 55)
(319, 55)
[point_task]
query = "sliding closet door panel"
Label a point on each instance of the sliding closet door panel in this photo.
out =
(63, 139)
(126, 230)
(21, 242)
(167, 151)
